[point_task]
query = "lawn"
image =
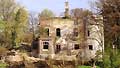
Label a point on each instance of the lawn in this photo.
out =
(86, 67)
(3, 65)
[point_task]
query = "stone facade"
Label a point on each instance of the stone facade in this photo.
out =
(46, 48)
(58, 24)
(59, 36)
(62, 38)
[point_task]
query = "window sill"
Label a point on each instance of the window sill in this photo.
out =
(45, 49)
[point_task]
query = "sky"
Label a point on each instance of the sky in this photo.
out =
(57, 6)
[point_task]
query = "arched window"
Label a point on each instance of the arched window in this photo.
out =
(47, 31)
(58, 33)
(88, 32)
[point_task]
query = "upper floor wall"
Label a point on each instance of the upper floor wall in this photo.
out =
(58, 26)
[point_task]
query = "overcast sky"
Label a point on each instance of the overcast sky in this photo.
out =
(57, 6)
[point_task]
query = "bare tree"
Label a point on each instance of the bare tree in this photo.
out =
(33, 23)
(110, 11)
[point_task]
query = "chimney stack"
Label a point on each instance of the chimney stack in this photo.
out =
(66, 9)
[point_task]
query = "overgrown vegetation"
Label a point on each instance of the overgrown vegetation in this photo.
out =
(15, 29)
(13, 22)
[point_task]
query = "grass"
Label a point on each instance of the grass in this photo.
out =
(86, 67)
(3, 65)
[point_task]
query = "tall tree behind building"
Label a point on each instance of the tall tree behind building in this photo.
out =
(46, 13)
(34, 24)
(110, 9)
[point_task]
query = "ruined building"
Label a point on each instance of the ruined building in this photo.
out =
(63, 38)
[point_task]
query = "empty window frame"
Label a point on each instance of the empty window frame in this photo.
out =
(76, 46)
(90, 47)
(58, 32)
(45, 45)
(58, 47)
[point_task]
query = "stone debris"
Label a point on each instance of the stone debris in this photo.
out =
(19, 57)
